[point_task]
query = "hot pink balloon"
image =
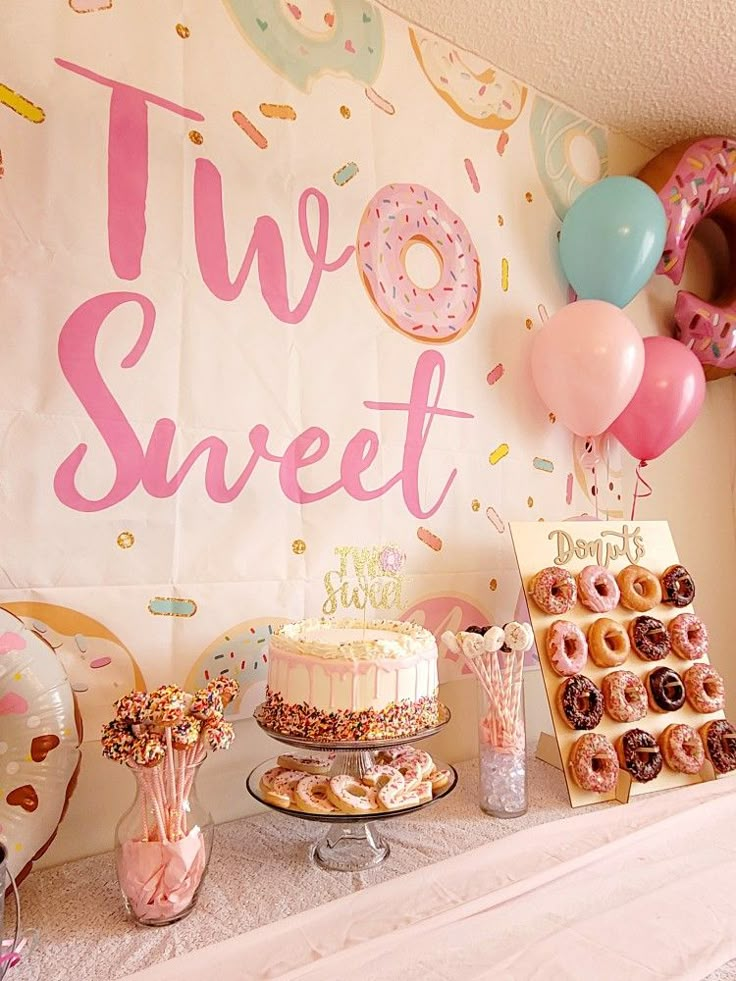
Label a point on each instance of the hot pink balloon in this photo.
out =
(587, 362)
(667, 401)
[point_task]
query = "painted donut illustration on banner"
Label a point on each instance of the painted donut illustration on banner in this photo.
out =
(487, 98)
(401, 217)
(697, 180)
(570, 152)
(305, 39)
(40, 733)
(99, 667)
(442, 612)
(240, 653)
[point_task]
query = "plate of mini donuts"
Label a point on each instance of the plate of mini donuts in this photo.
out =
(400, 780)
(625, 659)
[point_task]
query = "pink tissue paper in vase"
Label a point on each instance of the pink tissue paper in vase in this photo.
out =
(161, 878)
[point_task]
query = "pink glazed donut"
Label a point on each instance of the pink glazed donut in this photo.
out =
(554, 590)
(598, 589)
(567, 648)
(397, 217)
(688, 637)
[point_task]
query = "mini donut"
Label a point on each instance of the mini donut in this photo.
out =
(688, 637)
(678, 588)
(665, 690)
(185, 734)
(625, 696)
(439, 780)
(414, 761)
(719, 741)
(166, 705)
(148, 750)
(640, 589)
(567, 648)
(220, 734)
(682, 749)
(580, 702)
(310, 795)
(389, 783)
(608, 643)
(554, 590)
(396, 218)
(594, 764)
(649, 638)
(597, 589)
(410, 798)
(306, 764)
(349, 795)
(704, 688)
(284, 783)
(639, 755)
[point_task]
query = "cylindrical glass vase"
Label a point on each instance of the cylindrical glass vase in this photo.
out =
(164, 842)
(502, 754)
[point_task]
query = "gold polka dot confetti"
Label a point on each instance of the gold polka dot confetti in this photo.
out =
(298, 546)
(182, 30)
(530, 502)
(552, 417)
(528, 323)
(493, 585)
(529, 197)
(345, 112)
(126, 539)
(475, 504)
(196, 137)
(500, 221)
(540, 519)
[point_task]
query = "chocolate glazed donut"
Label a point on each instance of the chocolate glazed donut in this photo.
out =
(581, 703)
(649, 638)
(643, 767)
(666, 690)
(721, 751)
(678, 588)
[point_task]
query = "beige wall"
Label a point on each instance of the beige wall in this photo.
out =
(693, 490)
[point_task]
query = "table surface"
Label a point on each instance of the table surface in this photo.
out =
(259, 873)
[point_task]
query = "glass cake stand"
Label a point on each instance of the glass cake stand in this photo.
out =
(352, 842)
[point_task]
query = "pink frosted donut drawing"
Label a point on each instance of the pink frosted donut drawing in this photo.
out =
(402, 216)
(452, 612)
(40, 733)
(99, 666)
(241, 653)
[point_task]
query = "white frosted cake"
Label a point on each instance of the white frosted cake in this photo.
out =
(349, 680)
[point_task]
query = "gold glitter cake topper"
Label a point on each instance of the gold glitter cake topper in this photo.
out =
(367, 576)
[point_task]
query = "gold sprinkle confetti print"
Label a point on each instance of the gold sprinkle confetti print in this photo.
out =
(505, 275)
(528, 323)
(126, 539)
(196, 137)
(182, 30)
(530, 502)
(345, 112)
(493, 585)
(529, 197)
(475, 504)
(500, 221)
(298, 546)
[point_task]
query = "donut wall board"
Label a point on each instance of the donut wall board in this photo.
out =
(612, 545)
(269, 275)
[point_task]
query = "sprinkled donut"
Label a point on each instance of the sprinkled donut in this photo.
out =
(567, 648)
(719, 741)
(554, 590)
(594, 764)
(665, 689)
(688, 637)
(580, 702)
(704, 688)
(682, 749)
(307, 764)
(390, 785)
(40, 733)
(486, 97)
(649, 638)
(608, 643)
(348, 794)
(597, 589)
(397, 217)
(678, 588)
(625, 696)
(310, 795)
(639, 754)
(640, 589)
(558, 135)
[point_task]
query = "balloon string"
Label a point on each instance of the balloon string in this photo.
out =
(640, 480)
(595, 492)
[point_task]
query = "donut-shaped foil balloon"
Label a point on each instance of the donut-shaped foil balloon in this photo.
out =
(40, 733)
(696, 179)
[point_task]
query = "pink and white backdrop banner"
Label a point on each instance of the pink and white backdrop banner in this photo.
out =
(269, 275)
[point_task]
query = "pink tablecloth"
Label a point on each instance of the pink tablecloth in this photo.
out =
(645, 892)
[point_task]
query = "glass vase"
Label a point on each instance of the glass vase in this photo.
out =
(502, 751)
(164, 842)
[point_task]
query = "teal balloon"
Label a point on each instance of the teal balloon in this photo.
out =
(612, 238)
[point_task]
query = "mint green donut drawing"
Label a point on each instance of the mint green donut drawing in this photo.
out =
(349, 40)
(570, 152)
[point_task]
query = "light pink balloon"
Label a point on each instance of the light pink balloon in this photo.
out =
(667, 401)
(587, 362)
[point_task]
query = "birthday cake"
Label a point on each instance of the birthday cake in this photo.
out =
(343, 680)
